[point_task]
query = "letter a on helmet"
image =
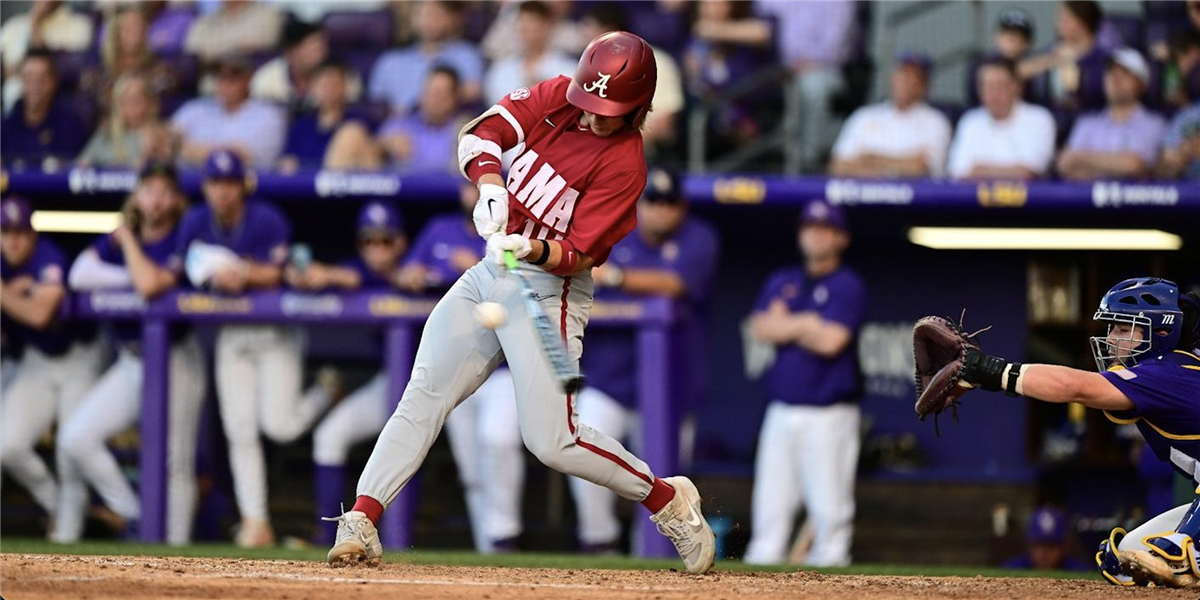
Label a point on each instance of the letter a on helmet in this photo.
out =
(615, 77)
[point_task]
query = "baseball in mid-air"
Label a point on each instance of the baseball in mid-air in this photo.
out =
(491, 314)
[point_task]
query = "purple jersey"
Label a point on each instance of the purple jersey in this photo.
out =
(161, 253)
(262, 235)
(438, 241)
(371, 281)
(46, 265)
(610, 360)
(802, 377)
(1166, 395)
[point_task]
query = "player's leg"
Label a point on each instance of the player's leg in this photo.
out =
(188, 388)
(27, 415)
(595, 506)
(502, 458)
(286, 412)
(776, 494)
(108, 408)
(357, 418)
(464, 446)
(828, 466)
(74, 374)
(237, 378)
(1156, 525)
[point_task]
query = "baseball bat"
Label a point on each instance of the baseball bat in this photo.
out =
(553, 346)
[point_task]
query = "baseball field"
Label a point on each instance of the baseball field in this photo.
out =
(103, 571)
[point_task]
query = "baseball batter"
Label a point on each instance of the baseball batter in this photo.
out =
(60, 361)
(569, 196)
(140, 254)
(808, 447)
(484, 433)
(669, 254)
(1149, 362)
(233, 245)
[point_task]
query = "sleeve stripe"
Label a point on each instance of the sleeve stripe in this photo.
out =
(511, 121)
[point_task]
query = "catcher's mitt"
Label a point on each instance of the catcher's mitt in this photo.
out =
(943, 353)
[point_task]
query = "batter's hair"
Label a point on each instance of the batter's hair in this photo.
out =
(1189, 336)
(637, 119)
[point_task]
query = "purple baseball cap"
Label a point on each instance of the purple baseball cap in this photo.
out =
(224, 164)
(823, 213)
(1047, 526)
(380, 216)
(917, 60)
(16, 213)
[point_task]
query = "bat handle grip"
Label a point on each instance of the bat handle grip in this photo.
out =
(510, 260)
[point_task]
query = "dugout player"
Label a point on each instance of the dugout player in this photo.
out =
(60, 359)
(808, 447)
(484, 433)
(1149, 364)
(234, 245)
(569, 196)
(671, 254)
(140, 254)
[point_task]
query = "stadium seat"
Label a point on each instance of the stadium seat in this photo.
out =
(359, 29)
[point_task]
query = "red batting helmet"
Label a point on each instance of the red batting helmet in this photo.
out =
(615, 76)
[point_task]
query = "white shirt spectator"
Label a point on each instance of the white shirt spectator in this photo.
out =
(884, 130)
(668, 90)
(257, 126)
(1024, 139)
(510, 73)
(253, 27)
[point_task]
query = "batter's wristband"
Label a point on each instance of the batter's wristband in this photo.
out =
(545, 254)
(568, 261)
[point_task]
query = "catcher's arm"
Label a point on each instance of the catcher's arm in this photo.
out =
(1058, 384)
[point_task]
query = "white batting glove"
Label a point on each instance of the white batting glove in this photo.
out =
(491, 210)
(498, 244)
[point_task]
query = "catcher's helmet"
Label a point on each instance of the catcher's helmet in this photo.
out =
(1149, 308)
(615, 77)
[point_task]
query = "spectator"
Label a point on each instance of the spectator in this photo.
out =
(289, 78)
(124, 50)
(169, 25)
(1071, 74)
(239, 26)
(133, 134)
(398, 75)
(670, 254)
(233, 245)
(1181, 78)
(901, 138)
(1012, 40)
(664, 24)
(60, 361)
(1123, 140)
(1048, 542)
(312, 131)
(815, 40)
(137, 255)
(426, 141)
(49, 25)
(535, 62)
(40, 129)
(808, 447)
(230, 119)
(1004, 138)
(565, 37)
(1181, 146)
(727, 45)
(660, 130)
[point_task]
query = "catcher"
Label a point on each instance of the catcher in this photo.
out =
(1149, 376)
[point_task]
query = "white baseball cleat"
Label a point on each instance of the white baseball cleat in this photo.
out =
(357, 541)
(682, 522)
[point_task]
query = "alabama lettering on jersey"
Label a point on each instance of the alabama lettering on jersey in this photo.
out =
(1164, 391)
(798, 375)
(565, 183)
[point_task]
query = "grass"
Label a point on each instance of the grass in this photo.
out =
(471, 559)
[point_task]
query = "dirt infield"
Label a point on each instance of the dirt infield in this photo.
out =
(25, 576)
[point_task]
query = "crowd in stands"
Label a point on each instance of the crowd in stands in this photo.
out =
(371, 85)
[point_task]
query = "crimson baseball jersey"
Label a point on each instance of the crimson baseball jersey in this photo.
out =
(566, 183)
